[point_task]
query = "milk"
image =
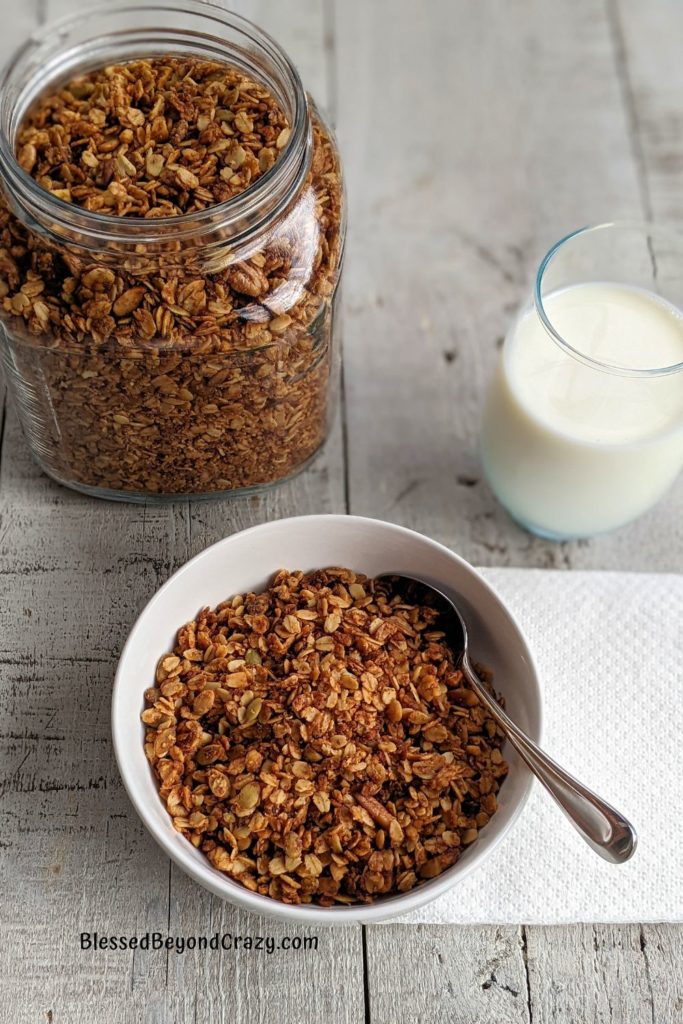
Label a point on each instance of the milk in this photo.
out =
(572, 450)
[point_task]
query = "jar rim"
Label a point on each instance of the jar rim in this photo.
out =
(234, 219)
(647, 229)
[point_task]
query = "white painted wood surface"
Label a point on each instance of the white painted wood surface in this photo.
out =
(473, 135)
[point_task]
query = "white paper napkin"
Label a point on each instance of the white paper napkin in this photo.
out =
(609, 648)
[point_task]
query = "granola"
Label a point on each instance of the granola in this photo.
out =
(317, 742)
(184, 372)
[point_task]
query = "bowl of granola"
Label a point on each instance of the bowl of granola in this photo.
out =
(297, 736)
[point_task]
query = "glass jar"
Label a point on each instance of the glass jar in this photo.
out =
(183, 355)
(583, 426)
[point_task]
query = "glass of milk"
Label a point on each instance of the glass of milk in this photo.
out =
(583, 424)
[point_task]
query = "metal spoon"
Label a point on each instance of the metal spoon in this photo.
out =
(602, 827)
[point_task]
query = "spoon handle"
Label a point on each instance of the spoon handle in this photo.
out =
(603, 827)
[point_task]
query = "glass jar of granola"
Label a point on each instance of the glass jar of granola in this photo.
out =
(171, 239)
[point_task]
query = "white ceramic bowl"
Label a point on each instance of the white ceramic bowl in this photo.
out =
(246, 561)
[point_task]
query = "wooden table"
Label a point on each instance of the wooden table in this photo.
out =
(474, 135)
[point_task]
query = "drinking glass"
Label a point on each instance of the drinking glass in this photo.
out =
(583, 424)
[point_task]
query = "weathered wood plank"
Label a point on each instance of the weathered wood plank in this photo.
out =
(25, 17)
(297, 986)
(446, 975)
(584, 973)
(605, 974)
(473, 138)
(648, 59)
(662, 947)
(74, 575)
